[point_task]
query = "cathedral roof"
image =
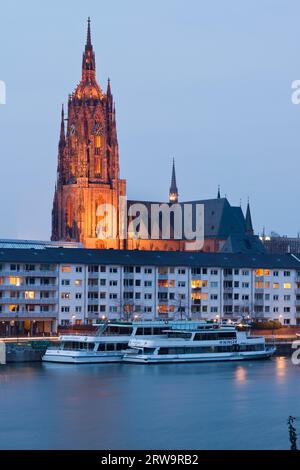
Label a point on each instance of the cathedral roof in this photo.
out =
(220, 218)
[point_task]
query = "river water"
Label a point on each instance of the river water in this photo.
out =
(174, 406)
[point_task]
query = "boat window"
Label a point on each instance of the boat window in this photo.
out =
(215, 336)
(101, 347)
(121, 346)
(110, 346)
(112, 330)
(148, 350)
(179, 334)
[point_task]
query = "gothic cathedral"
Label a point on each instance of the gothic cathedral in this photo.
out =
(88, 161)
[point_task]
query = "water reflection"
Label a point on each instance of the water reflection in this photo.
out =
(240, 374)
(281, 367)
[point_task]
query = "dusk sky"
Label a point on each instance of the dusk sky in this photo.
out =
(207, 82)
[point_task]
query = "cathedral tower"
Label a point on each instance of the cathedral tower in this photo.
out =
(88, 162)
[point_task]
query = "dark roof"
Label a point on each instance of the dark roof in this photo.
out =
(239, 243)
(150, 258)
(220, 218)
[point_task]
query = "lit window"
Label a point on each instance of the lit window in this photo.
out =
(97, 141)
(259, 285)
(65, 295)
(14, 308)
(29, 294)
(287, 285)
(267, 272)
(275, 285)
(78, 282)
(195, 283)
(66, 269)
(15, 281)
(259, 272)
(267, 285)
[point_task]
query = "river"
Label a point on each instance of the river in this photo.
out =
(129, 406)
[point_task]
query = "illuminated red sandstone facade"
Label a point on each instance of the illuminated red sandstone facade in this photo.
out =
(88, 177)
(88, 160)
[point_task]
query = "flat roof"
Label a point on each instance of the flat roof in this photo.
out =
(148, 258)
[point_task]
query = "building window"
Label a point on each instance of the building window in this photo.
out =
(275, 285)
(78, 282)
(148, 270)
(15, 281)
(65, 295)
(65, 282)
(29, 294)
(78, 295)
(78, 309)
(287, 285)
(287, 273)
(15, 267)
(79, 269)
(66, 268)
(65, 309)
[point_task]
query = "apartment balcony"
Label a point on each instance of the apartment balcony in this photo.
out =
(23, 273)
(96, 288)
(93, 275)
(14, 316)
(164, 301)
(15, 300)
(31, 287)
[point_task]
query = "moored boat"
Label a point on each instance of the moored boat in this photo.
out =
(217, 343)
(110, 341)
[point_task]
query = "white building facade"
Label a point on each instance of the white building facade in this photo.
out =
(46, 287)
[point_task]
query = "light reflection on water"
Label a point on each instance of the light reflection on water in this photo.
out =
(206, 406)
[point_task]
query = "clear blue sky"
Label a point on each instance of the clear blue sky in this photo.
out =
(205, 81)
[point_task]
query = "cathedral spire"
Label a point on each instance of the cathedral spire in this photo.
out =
(219, 194)
(88, 36)
(88, 60)
(173, 193)
(249, 226)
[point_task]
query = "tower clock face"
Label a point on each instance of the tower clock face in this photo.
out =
(72, 129)
(98, 129)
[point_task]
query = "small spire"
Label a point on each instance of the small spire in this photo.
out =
(219, 194)
(62, 124)
(248, 220)
(88, 36)
(108, 92)
(173, 193)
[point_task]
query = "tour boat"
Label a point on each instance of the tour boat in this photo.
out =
(216, 343)
(110, 341)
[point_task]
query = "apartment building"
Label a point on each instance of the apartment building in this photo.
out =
(40, 288)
